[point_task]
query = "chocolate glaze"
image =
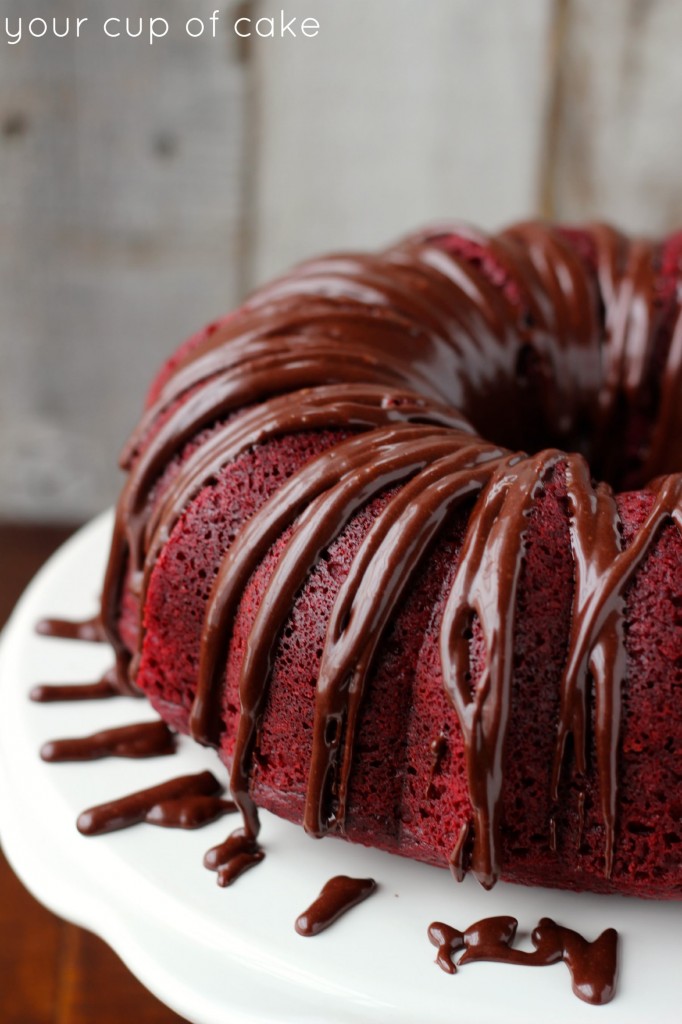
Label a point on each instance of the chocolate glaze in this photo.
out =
(448, 940)
(423, 351)
(144, 739)
(232, 858)
(485, 586)
(338, 895)
(189, 812)
(68, 629)
(134, 808)
(593, 965)
(47, 693)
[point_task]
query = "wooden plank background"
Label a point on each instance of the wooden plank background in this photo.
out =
(120, 220)
(401, 114)
(145, 189)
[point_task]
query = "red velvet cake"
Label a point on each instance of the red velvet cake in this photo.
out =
(354, 555)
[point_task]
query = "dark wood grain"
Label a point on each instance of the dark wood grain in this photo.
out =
(52, 972)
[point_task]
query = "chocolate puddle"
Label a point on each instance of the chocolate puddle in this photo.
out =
(134, 808)
(70, 629)
(337, 896)
(189, 812)
(232, 858)
(144, 739)
(102, 689)
(593, 966)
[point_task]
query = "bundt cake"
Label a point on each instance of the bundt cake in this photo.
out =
(362, 551)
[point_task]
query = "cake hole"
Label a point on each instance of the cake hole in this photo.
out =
(526, 362)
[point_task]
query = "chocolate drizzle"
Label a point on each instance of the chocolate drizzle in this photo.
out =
(186, 793)
(102, 689)
(540, 335)
(596, 647)
(68, 629)
(486, 586)
(144, 739)
(189, 812)
(338, 895)
(113, 683)
(448, 941)
(593, 965)
(232, 858)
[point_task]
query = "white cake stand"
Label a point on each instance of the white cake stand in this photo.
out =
(232, 956)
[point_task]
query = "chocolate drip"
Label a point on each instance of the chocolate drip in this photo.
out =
(355, 406)
(448, 940)
(326, 493)
(485, 588)
(67, 629)
(189, 811)
(103, 689)
(379, 576)
(237, 854)
(144, 739)
(348, 407)
(351, 407)
(134, 808)
(113, 683)
(460, 855)
(597, 646)
(539, 334)
(338, 895)
(592, 965)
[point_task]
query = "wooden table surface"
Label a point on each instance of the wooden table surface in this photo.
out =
(52, 972)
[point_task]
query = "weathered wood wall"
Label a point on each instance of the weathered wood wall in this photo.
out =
(618, 111)
(120, 227)
(401, 113)
(143, 189)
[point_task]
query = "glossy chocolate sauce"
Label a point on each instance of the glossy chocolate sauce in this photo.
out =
(422, 352)
(69, 629)
(134, 808)
(338, 895)
(593, 966)
(188, 802)
(102, 689)
(448, 941)
(232, 858)
(144, 739)
(189, 812)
